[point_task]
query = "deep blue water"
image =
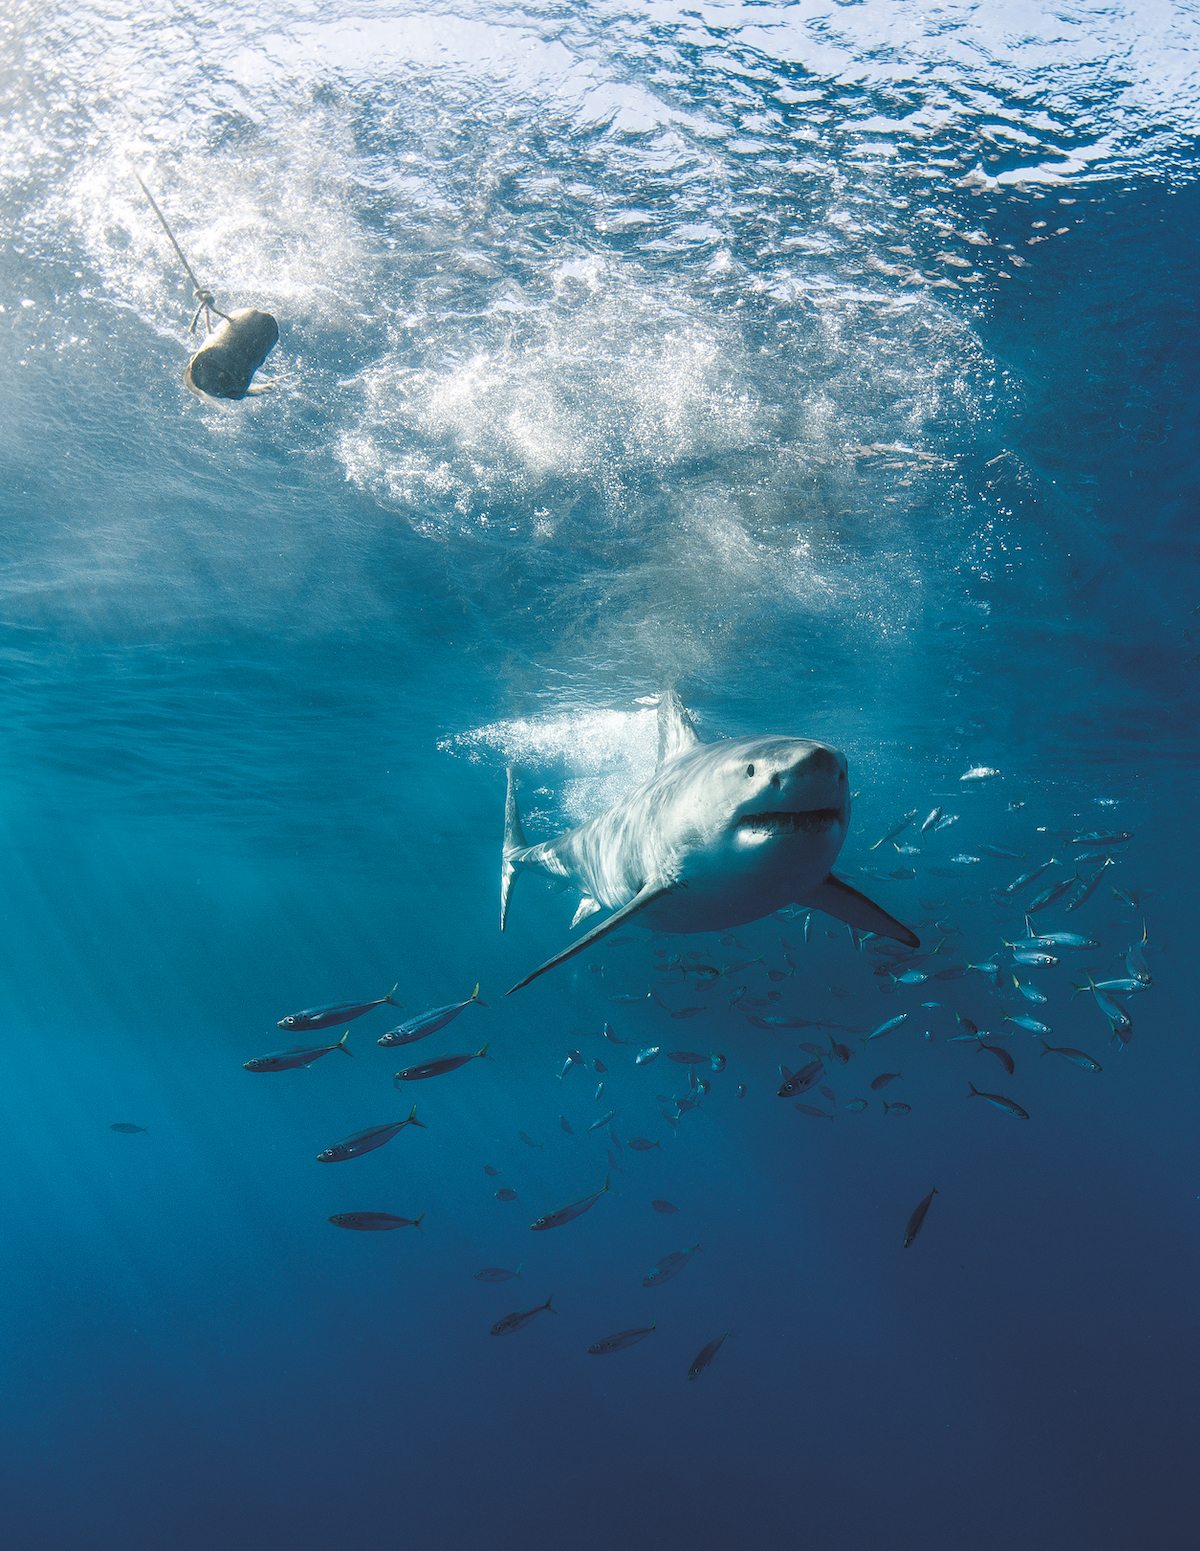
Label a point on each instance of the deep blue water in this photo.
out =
(835, 362)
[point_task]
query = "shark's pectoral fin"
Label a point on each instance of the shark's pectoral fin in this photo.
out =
(646, 895)
(839, 900)
(587, 907)
(514, 841)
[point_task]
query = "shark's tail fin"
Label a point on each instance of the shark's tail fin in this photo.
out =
(514, 841)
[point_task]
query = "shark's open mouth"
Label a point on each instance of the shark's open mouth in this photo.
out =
(816, 821)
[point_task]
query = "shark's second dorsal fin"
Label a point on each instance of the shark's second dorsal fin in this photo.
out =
(676, 734)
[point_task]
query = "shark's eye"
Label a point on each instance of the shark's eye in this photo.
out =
(749, 770)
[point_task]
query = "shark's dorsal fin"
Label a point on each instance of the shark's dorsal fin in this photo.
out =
(676, 733)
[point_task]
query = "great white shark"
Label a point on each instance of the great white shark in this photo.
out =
(721, 834)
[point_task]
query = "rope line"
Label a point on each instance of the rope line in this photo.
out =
(206, 303)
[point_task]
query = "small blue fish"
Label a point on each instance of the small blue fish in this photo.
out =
(1024, 1022)
(335, 1012)
(1054, 892)
(797, 1082)
(438, 1067)
(706, 1357)
(497, 1274)
(298, 1055)
(518, 1320)
(566, 1214)
(368, 1140)
(375, 1222)
(918, 1217)
(428, 1022)
(1010, 1106)
(669, 1266)
(621, 1340)
(1028, 990)
(884, 1027)
(1077, 1057)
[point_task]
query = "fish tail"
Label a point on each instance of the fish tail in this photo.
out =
(417, 1221)
(1045, 1048)
(935, 1191)
(546, 1305)
(412, 1119)
(517, 1273)
(694, 1247)
(607, 1186)
(341, 1044)
(974, 1090)
(474, 996)
(484, 1052)
(391, 993)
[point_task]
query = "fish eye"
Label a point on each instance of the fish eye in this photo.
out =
(749, 770)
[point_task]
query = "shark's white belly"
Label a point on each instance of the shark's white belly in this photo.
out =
(719, 881)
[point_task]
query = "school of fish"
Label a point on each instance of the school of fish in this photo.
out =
(1015, 971)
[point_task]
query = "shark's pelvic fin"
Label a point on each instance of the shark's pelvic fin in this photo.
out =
(839, 900)
(587, 907)
(646, 895)
(514, 841)
(676, 733)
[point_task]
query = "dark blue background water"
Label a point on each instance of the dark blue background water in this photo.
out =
(599, 367)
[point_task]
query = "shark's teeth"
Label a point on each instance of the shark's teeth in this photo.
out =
(813, 822)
